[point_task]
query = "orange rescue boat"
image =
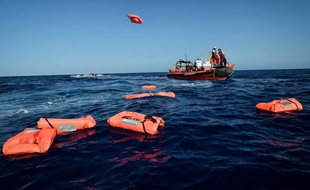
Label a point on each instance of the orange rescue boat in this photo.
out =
(29, 141)
(283, 105)
(184, 70)
(137, 122)
(67, 125)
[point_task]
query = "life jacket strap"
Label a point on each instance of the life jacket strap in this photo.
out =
(293, 103)
(49, 123)
(151, 118)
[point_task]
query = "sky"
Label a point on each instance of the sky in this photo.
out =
(57, 37)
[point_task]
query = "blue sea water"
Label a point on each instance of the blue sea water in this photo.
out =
(214, 138)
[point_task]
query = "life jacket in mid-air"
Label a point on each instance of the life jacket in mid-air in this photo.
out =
(135, 19)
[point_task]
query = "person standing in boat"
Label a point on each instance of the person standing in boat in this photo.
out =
(223, 60)
(215, 59)
(188, 66)
(195, 67)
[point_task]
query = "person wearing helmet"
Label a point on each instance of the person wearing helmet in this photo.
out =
(223, 60)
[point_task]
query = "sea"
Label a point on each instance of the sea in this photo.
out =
(214, 137)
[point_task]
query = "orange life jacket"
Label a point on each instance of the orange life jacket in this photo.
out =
(29, 140)
(283, 105)
(137, 122)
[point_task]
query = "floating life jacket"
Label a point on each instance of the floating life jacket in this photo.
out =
(67, 125)
(148, 87)
(142, 95)
(137, 122)
(133, 96)
(283, 105)
(168, 94)
(30, 140)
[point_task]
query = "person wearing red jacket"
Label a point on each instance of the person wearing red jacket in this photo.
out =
(223, 60)
(215, 59)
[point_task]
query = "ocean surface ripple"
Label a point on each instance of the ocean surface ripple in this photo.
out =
(214, 138)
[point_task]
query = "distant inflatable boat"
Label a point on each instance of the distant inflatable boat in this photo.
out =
(67, 125)
(137, 122)
(283, 105)
(29, 141)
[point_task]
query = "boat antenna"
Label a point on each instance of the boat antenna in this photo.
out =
(185, 56)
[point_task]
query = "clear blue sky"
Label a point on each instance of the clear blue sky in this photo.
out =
(46, 37)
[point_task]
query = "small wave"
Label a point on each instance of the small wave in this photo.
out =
(82, 76)
(23, 111)
(194, 84)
